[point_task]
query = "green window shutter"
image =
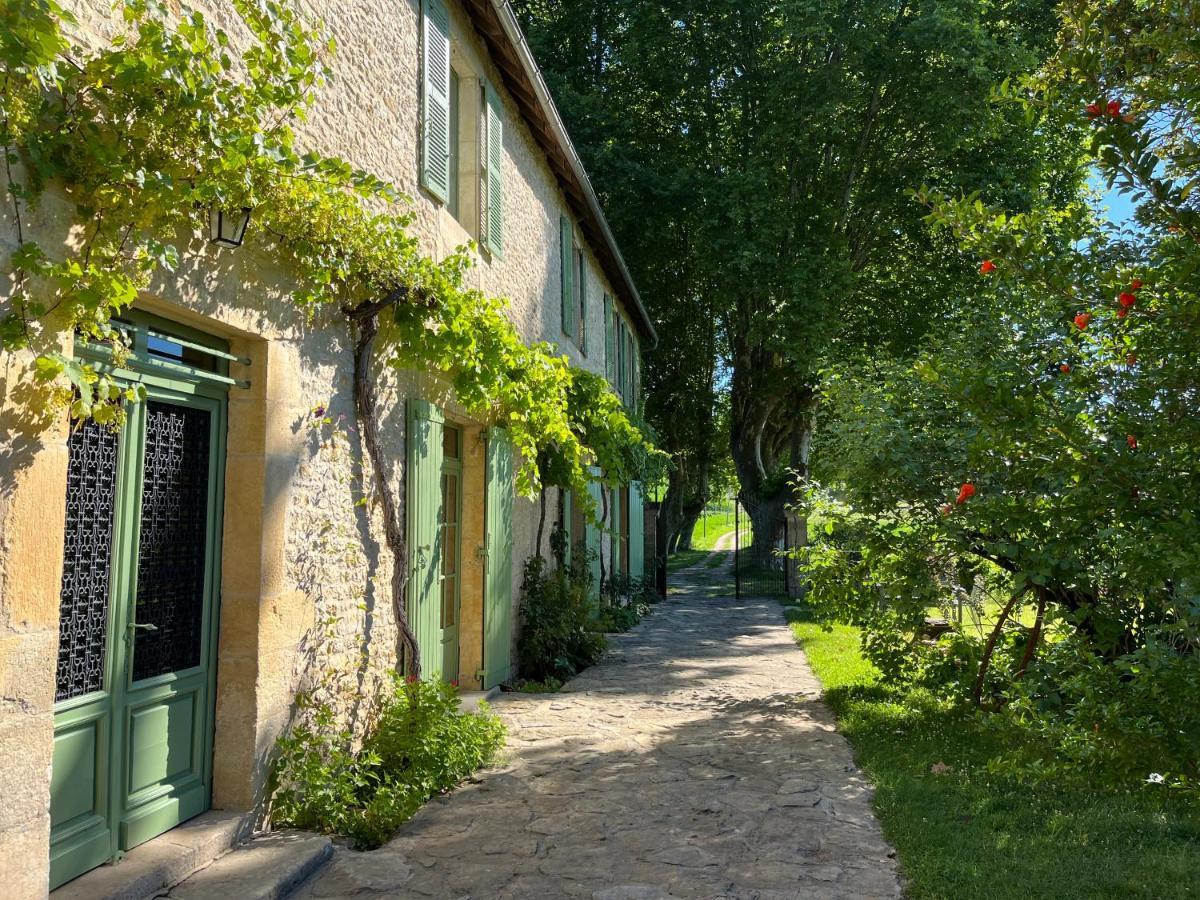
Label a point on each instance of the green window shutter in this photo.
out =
(610, 364)
(618, 356)
(583, 304)
(566, 241)
(435, 93)
(498, 603)
(493, 225)
(614, 516)
(423, 501)
(623, 338)
(637, 548)
(637, 374)
(628, 367)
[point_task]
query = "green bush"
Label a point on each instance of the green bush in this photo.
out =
(420, 745)
(621, 590)
(624, 601)
(558, 621)
(619, 619)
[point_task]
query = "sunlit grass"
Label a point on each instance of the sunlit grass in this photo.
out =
(969, 833)
(711, 527)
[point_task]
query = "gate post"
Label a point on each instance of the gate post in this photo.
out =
(795, 537)
(656, 545)
(737, 549)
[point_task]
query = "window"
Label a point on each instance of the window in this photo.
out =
(574, 285)
(610, 351)
(581, 298)
(449, 515)
(435, 99)
(454, 200)
(491, 168)
(462, 134)
(622, 364)
(629, 351)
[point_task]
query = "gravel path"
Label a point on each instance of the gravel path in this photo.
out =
(696, 760)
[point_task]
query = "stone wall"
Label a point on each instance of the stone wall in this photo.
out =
(305, 572)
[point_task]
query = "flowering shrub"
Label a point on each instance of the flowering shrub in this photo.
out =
(1064, 393)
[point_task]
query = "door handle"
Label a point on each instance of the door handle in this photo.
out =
(142, 626)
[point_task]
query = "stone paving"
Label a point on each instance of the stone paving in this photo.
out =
(696, 760)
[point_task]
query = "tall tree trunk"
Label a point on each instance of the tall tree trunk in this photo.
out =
(755, 397)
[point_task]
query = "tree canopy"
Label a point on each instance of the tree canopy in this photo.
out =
(758, 160)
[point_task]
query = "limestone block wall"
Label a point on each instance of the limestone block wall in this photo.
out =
(305, 579)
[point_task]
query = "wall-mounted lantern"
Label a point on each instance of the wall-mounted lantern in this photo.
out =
(229, 228)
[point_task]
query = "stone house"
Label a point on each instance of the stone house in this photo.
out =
(165, 592)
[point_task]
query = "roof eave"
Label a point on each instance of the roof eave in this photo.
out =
(497, 23)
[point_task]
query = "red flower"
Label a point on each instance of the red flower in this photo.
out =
(1122, 313)
(1127, 299)
(1082, 320)
(1114, 108)
(965, 493)
(1131, 441)
(1064, 368)
(1093, 110)
(987, 267)
(1131, 360)
(1136, 284)
(945, 509)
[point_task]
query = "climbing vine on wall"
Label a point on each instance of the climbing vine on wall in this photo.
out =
(145, 136)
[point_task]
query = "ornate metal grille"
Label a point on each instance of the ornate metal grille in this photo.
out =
(173, 540)
(87, 561)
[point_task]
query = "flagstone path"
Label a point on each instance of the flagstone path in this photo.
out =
(696, 760)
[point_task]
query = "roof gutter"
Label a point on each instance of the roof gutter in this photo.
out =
(512, 30)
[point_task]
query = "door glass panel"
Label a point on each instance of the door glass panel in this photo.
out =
(448, 604)
(450, 498)
(450, 442)
(173, 540)
(87, 560)
(449, 549)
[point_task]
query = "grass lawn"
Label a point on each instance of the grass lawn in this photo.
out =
(710, 528)
(971, 834)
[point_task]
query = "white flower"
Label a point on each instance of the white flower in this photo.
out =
(1155, 778)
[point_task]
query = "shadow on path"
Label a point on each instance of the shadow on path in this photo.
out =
(696, 760)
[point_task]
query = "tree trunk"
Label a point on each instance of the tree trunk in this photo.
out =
(687, 530)
(771, 426)
(408, 653)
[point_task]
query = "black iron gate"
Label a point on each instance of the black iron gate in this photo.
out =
(758, 571)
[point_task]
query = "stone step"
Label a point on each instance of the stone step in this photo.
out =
(148, 870)
(268, 868)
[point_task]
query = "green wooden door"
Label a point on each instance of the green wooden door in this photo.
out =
(497, 606)
(450, 552)
(434, 502)
(637, 528)
(135, 681)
